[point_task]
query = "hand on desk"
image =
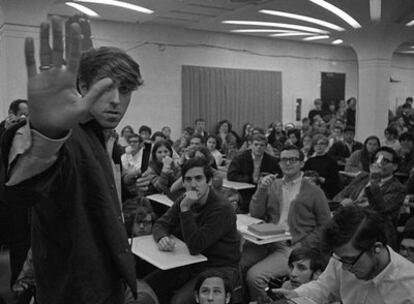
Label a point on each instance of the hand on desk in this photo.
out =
(166, 244)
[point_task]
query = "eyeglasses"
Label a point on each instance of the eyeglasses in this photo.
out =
(350, 264)
(144, 223)
(321, 143)
(409, 249)
(384, 160)
(197, 178)
(291, 160)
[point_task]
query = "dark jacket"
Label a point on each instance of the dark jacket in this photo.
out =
(80, 247)
(340, 151)
(241, 167)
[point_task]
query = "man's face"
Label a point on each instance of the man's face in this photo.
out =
(212, 291)
(320, 146)
(258, 148)
(143, 226)
(290, 163)
(349, 136)
(300, 273)
(337, 133)
(195, 142)
(111, 106)
(134, 143)
(372, 145)
(195, 180)
(200, 126)
(145, 135)
(362, 264)
(407, 146)
(318, 105)
(23, 110)
(211, 144)
(387, 165)
(407, 249)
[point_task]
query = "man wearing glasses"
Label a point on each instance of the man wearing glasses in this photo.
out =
(379, 190)
(292, 202)
(362, 268)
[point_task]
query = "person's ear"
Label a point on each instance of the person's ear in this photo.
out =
(83, 88)
(228, 298)
(316, 274)
(378, 247)
(196, 297)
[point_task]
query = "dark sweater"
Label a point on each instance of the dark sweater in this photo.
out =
(211, 230)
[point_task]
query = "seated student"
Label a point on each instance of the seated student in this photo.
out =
(342, 149)
(206, 222)
(325, 165)
(213, 144)
(291, 202)
(144, 218)
(362, 268)
(212, 287)
(145, 133)
(182, 143)
(132, 158)
(305, 265)
(248, 166)
(407, 244)
(391, 139)
(360, 160)
(162, 170)
(406, 153)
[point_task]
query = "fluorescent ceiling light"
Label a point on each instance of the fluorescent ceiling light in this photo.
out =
(83, 9)
(337, 41)
(411, 23)
(303, 18)
(375, 10)
(273, 24)
(260, 31)
(406, 52)
(120, 4)
(316, 37)
(337, 11)
(291, 34)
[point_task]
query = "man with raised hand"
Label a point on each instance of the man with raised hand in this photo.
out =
(65, 164)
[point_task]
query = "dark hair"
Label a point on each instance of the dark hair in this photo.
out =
(340, 128)
(296, 133)
(221, 122)
(161, 143)
(109, 62)
(197, 162)
(395, 157)
(319, 137)
(408, 234)
(305, 119)
(207, 154)
(259, 137)
(159, 134)
(212, 274)
(406, 136)
(366, 159)
(145, 128)
(391, 130)
(316, 259)
(217, 139)
(144, 207)
(199, 119)
(189, 130)
(348, 102)
(134, 135)
(349, 129)
(125, 128)
(14, 105)
(409, 99)
(244, 128)
(358, 225)
(292, 147)
(199, 137)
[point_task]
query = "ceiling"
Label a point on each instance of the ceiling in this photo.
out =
(208, 14)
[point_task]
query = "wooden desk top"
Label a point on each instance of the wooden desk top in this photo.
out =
(160, 198)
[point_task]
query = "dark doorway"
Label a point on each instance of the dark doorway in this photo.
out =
(332, 88)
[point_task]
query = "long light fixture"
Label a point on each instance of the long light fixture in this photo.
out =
(411, 23)
(260, 31)
(303, 18)
(120, 4)
(291, 34)
(83, 9)
(337, 41)
(337, 11)
(320, 37)
(375, 10)
(274, 24)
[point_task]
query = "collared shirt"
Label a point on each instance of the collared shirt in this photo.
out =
(290, 190)
(257, 163)
(393, 285)
(381, 183)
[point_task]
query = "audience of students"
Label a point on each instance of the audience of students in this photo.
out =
(360, 160)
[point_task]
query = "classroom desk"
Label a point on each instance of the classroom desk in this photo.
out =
(244, 220)
(146, 248)
(160, 198)
(237, 185)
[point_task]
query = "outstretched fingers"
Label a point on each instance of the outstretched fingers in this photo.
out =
(75, 39)
(57, 53)
(97, 90)
(45, 50)
(29, 54)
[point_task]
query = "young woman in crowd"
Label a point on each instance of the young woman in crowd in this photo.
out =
(213, 144)
(229, 139)
(294, 138)
(246, 132)
(391, 139)
(307, 146)
(162, 169)
(360, 160)
(125, 133)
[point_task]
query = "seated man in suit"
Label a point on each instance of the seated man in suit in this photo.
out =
(206, 222)
(249, 166)
(379, 189)
(340, 150)
(291, 202)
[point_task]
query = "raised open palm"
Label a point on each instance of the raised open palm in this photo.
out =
(55, 105)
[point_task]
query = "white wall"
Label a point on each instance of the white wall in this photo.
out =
(403, 72)
(161, 51)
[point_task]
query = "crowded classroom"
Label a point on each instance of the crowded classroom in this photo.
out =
(221, 151)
